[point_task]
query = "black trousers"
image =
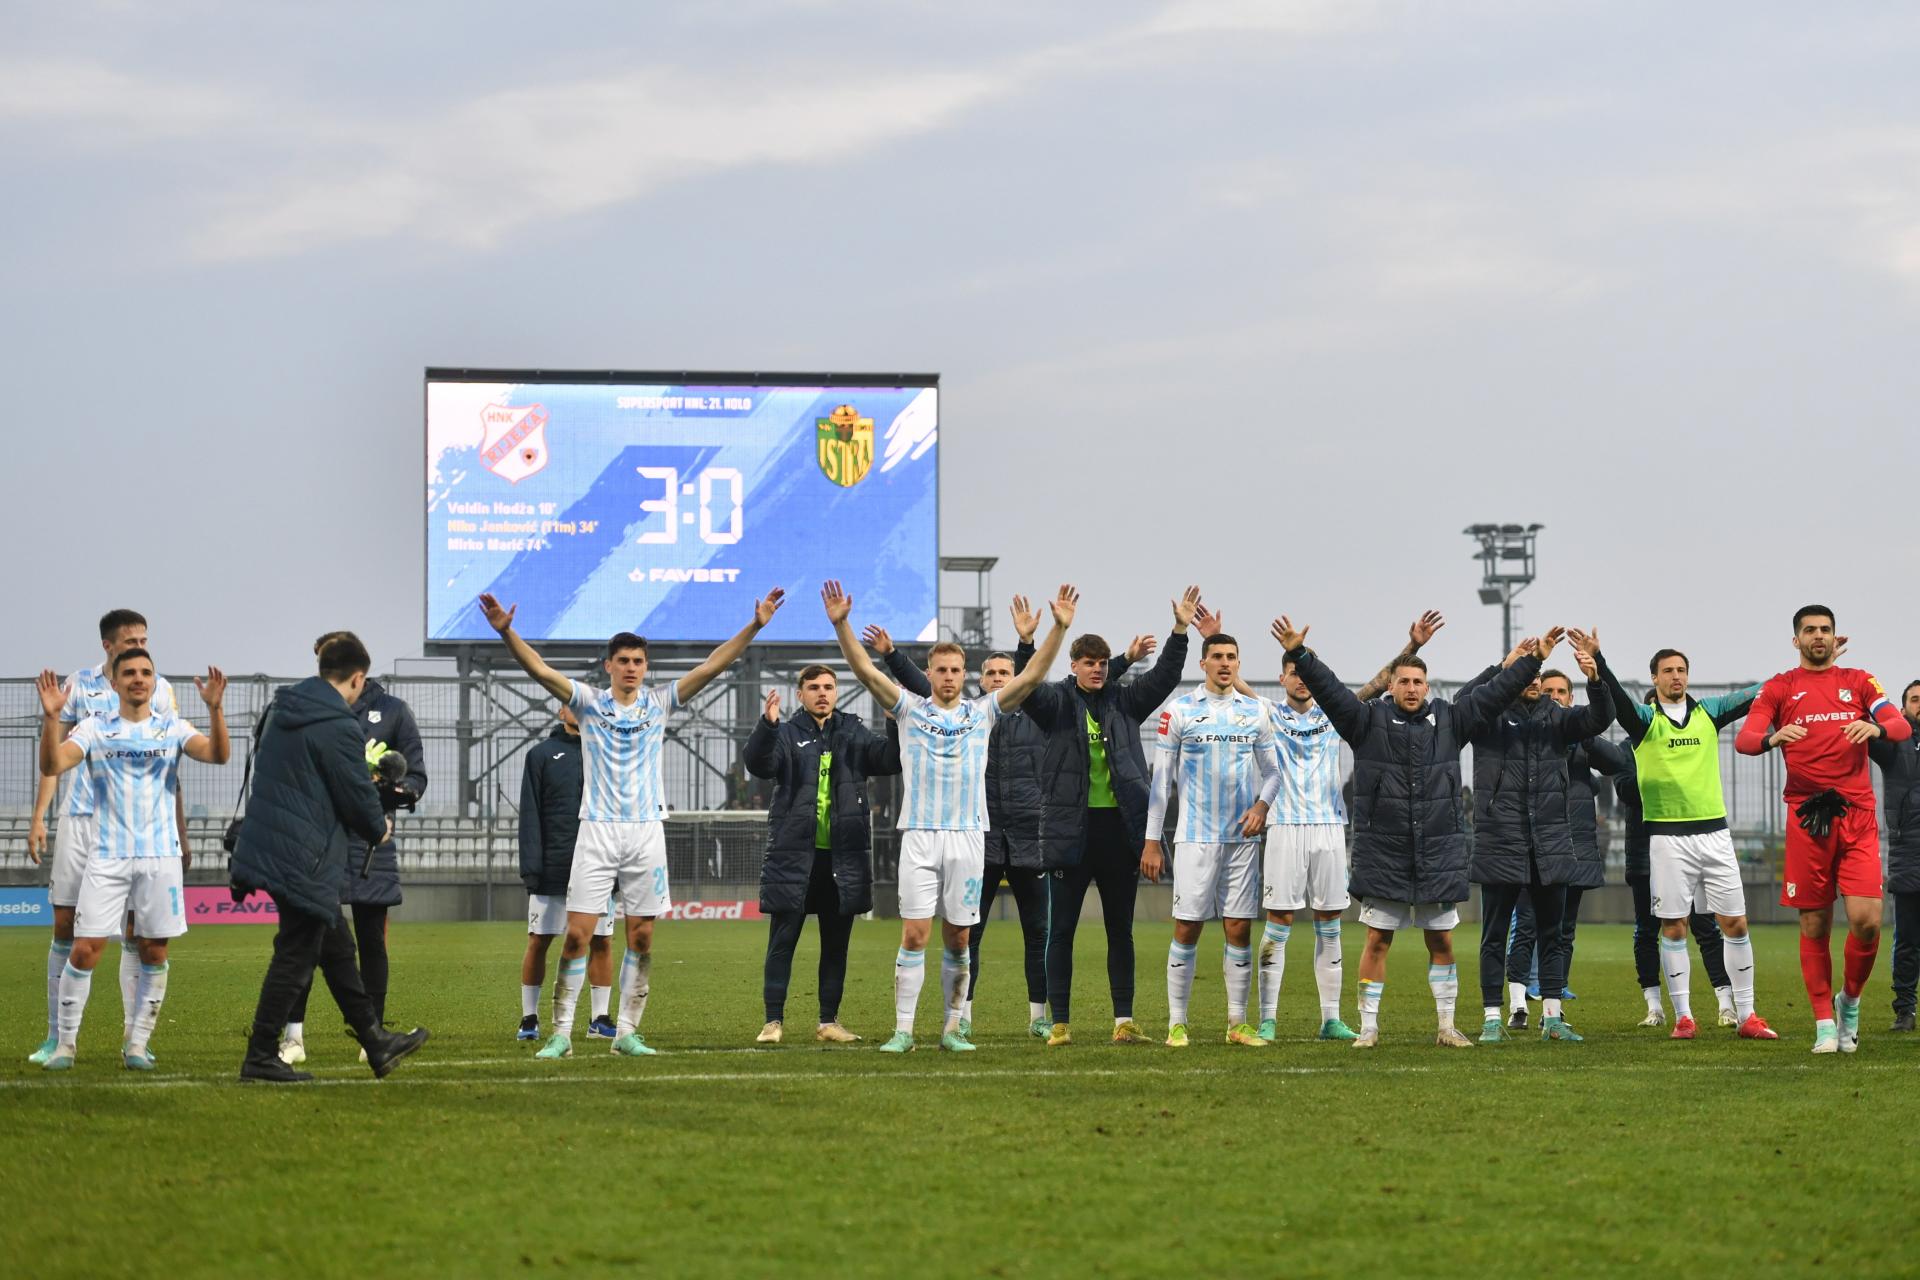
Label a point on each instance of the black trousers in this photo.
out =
(1522, 959)
(1906, 950)
(1497, 902)
(304, 941)
(1030, 895)
(1111, 861)
(1646, 938)
(370, 929)
(783, 937)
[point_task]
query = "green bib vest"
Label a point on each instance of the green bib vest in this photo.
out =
(1679, 769)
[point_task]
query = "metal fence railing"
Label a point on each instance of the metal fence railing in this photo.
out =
(477, 728)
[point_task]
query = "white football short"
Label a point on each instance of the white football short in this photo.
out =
(151, 888)
(1698, 872)
(630, 857)
(1306, 866)
(72, 847)
(941, 873)
(1385, 913)
(547, 916)
(1214, 881)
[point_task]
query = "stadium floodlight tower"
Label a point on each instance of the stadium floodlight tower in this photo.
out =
(970, 624)
(1506, 568)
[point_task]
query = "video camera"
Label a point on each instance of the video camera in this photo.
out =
(389, 772)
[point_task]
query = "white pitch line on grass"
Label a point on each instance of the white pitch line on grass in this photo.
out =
(420, 1076)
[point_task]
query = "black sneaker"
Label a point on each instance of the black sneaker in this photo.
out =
(386, 1048)
(529, 1028)
(604, 1027)
(1902, 1021)
(270, 1069)
(1518, 1022)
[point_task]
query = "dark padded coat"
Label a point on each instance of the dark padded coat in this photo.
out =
(1900, 773)
(789, 755)
(1520, 785)
(1633, 826)
(552, 779)
(1409, 834)
(310, 789)
(389, 721)
(1594, 756)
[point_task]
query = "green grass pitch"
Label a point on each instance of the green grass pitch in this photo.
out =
(718, 1158)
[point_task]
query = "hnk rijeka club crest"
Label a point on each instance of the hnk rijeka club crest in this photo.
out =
(845, 445)
(514, 444)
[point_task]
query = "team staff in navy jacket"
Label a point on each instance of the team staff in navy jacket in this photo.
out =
(1900, 773)
(819, 837)
(552, 780)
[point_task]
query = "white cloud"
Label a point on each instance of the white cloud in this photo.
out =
(112, 105)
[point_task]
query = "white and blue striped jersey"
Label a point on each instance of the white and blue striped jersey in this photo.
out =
(1309, 767)
(623, 748)
(1216, 747)
(135, 766)
(90, 693)
(943, 762)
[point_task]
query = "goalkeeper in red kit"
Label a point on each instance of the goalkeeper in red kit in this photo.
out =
(1822, 716)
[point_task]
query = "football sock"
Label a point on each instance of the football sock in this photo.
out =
(1490, 1012)
(636, 981)
(953, 985)
(1739, 956)
(1035, 1012)
(57, 954)
(129, 984)
(597, 1000)
(1517, 995)
(909, 972)
(1653, 998)
(75, 986)
(1549, 1007)
(1179, 982)
(1859, 964)
(1326, 966)
(530, 1000)
(1273, 967)
(294, 1031)
(1724, 997)
(1118, 1021)
(1816, 970)
(966, 1005)
(149, 994)
(1444, 980)
(1677, 966)
(1370, 1005)
(1237, 964)
(566, 994)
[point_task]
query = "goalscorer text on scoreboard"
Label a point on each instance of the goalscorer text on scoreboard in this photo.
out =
(614, 502)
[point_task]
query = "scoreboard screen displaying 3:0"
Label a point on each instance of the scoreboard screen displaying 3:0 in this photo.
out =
(599, 507)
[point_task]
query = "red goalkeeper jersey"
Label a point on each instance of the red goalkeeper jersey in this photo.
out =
(1824, 703)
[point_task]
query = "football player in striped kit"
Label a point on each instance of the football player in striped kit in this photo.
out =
(133, 758)
(1220, 744)
(622, 843)
(943, 804)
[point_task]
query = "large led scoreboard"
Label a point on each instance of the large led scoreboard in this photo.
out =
(665, 504)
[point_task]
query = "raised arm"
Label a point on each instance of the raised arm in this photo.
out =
(1347, 713)
(57, 753)
(730, 649)
(1147, 692)
(899, 665)
(1725, 708)
(1474, 711)
(1423, 630)
(212, 746)
(765, 746)
(1015, 691)
(501, 620)
(839, 605)
(1632, 717)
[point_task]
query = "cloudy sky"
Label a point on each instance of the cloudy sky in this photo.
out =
(1275, 297)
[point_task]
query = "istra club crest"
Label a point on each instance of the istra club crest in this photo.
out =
(514, 443)
(845, 445)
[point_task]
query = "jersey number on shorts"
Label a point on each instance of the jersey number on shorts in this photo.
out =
(174, 894)
(972, 897)
(659, 882)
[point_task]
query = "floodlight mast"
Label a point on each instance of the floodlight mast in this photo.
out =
(1506, 568)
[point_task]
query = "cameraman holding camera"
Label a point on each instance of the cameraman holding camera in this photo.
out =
(312, 798)
(398, 764)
